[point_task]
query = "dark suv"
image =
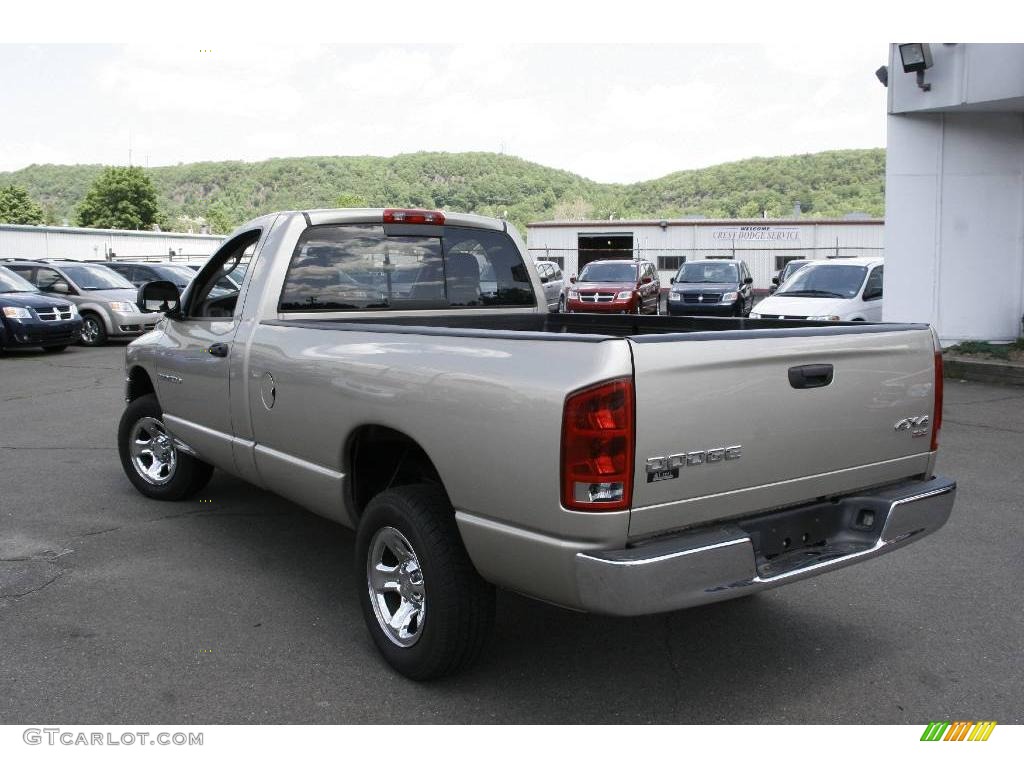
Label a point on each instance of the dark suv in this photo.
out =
(615, 285)
(30, 319)
(719, 287)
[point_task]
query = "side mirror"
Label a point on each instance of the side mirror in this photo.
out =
(775, 280)
(672, 280)
(159, 296)
(545, 279)
(572, 279)
(748, 280)
(872, 295)
(60, 286)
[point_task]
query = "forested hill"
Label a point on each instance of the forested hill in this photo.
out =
(227, 193)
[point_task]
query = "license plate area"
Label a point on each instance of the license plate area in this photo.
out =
(803, 536)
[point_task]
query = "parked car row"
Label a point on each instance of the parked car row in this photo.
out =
(52, 303)
(833, 289)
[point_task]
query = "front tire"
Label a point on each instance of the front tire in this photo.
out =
(427, 609)
(149, 457)
(94, 333)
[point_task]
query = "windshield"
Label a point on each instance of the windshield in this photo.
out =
(624, 272)
(707, 272)
(12, 283)
(840, 281)
(93, 277)
(177, 274)
(790, 270)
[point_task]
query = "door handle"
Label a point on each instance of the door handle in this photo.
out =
(810, 376)
(218, 350)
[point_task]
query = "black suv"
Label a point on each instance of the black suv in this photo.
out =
(719, 287)
(29, 318)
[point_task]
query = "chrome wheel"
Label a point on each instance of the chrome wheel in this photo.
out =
(395, 581)
(90, 330)
(152, 451)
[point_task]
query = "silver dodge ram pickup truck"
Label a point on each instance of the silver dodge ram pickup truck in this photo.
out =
(397, 371)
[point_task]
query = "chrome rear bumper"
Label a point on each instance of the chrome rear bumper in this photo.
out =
(745, 556)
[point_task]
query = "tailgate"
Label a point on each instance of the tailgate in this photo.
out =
(700, 396)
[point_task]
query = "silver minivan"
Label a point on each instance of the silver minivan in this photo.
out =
(104, 298)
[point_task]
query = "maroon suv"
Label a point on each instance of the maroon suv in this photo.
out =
(615, 285)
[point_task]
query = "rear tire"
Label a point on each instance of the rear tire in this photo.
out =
(94, 333)
(149, 458)
(427, 609)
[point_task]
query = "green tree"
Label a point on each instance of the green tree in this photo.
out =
(218, 218)
(120, 198)
(17, 207)
(349, 200)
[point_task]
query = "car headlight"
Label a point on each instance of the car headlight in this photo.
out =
(823, 317)
(573, 294)
(624, 295)
(677, 294)
(754, 316)
(731, 296)
(124, 306)
(17, 313)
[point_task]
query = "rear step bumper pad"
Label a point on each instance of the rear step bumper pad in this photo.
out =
(727, 561)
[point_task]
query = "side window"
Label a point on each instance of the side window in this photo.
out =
(352, 267)
(556, 273)
(144, 275)
(50, 280)
(208, 296)
(25, 272)
(873, 286)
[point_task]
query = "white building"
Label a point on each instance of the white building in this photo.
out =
(28, 242)
(764, 244)
(955, 191)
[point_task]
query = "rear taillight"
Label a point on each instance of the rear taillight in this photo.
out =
(937, 410)
(597, 447)
(412, 216)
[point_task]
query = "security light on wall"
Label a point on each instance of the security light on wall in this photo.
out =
(917, 57)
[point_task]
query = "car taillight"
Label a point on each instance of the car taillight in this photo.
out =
(597, 447)
(412, 216)
(937, 410)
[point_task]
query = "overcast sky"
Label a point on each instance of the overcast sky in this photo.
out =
(611, 113)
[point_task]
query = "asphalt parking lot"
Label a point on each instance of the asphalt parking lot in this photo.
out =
(239, 607)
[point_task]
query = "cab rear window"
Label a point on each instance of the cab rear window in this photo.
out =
(352, 267)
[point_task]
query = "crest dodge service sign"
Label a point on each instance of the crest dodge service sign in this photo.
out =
(758, 233)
